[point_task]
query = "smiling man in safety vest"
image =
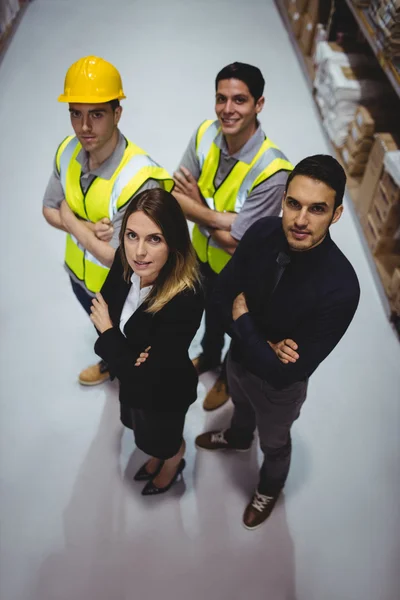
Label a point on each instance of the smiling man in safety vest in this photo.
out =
(96, 173)
(230, 176)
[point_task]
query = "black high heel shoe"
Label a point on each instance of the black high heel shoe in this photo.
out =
(150, 489)
(143, 475)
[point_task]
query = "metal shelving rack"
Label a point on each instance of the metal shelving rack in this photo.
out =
(361, 16)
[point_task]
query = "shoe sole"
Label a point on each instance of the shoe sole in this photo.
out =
(91, 383)
(224, 449)
(256, 526)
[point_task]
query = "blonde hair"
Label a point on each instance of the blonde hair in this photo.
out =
(181, 271)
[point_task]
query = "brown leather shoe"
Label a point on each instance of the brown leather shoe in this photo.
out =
(217, 396)
(215, 440)
(94, 375)
(258, 510)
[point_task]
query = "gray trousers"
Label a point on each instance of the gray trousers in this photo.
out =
(273, 412)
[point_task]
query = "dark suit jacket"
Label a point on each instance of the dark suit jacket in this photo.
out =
(313, 303)
(167, 380)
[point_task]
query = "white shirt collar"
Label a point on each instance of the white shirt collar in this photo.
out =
(135, 279)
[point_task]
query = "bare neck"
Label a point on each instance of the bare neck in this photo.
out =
(236, 142)
(98, 157)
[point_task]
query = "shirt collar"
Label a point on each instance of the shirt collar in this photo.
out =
(248, 151)
(107, 168)
(135, 279)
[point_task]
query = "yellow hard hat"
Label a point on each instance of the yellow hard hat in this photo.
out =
(92, 80)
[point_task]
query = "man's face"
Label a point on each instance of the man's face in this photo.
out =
(308, 211)
(94, 124)
(235, 107)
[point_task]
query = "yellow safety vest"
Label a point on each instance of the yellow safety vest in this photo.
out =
(233, 191)
(103, 198)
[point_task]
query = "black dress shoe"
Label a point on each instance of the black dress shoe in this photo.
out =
(144, 475)
(150, 489)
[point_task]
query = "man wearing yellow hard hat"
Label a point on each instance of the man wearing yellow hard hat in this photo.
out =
(96, 173)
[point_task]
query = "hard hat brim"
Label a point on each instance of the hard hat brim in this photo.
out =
(89, 99)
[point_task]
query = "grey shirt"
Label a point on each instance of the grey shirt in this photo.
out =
(265, 200)
(54, 193)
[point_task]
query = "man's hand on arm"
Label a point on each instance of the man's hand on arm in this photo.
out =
(187, 185)
(187, 193)
(86, 236)
(53, 217)
(285, 351)
(104, 230)
(239, 306)
(224, 239)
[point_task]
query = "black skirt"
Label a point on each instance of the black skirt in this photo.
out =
(157, 433)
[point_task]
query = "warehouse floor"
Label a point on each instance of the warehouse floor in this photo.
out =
(74, 525)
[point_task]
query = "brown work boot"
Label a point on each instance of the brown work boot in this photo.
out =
(217, 396)
(202, 365)
(258, 510)
(94, 374)
(215, 440)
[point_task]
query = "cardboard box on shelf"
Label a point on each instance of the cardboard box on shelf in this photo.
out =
(354, 164)
(307, 35)
(373, 119)
(384, 142)
(371, 233)
(387, 220)
(395, 305)
(319, 10)
(301, 6)
(386, 265)
(386, 203)
(365, 121)
(296, 5)
(296, 20)
(357, 134)
(377, 243)
(394, 288)
(357, 144)
(390, 188)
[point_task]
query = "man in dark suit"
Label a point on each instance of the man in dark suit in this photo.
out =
(286, 298)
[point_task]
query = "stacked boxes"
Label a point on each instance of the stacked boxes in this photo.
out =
(359, 142)
(343, 82)
(295, 16)
(382, 221)
(394, 291)
(386, 214)
(8, 12)
(386, 16)
(383, 143)
(304, 16)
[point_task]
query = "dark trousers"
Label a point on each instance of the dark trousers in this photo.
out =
(83, 297)
(86, 302)
(213, 339)
(273, 412)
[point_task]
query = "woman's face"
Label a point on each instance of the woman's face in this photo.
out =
(145, 247)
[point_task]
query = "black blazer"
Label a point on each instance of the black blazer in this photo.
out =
(167, 381)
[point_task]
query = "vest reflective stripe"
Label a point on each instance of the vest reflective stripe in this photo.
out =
(129, 171)
(75, 257)
(103, 198)
(268, 157)
(206, 139)
(65, 159)
(234, 190)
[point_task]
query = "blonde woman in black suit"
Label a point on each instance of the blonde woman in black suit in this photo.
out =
(147, 314)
